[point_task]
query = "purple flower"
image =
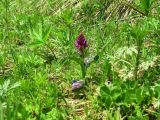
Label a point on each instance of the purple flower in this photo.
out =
(76, 85)
(81, 42)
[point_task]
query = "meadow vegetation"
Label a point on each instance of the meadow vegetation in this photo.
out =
(80, 60)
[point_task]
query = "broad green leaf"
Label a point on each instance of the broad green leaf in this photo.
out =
(105, 91)
(107, 101)
(115, 93)
(157, 91)
(139, 95)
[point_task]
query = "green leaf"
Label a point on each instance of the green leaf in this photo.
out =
(117, 115)
(6, 86)
(146, 5)
(105, 91)
(107, 67)
(36, 43)
(157, 91)
(107, 101)
(139, 95)
(116, 92)
(130, 96)
(46, 34)
(15, 85)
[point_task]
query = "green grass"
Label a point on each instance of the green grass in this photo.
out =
(39, 60)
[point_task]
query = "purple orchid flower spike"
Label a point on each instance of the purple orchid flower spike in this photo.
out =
(81, 43)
